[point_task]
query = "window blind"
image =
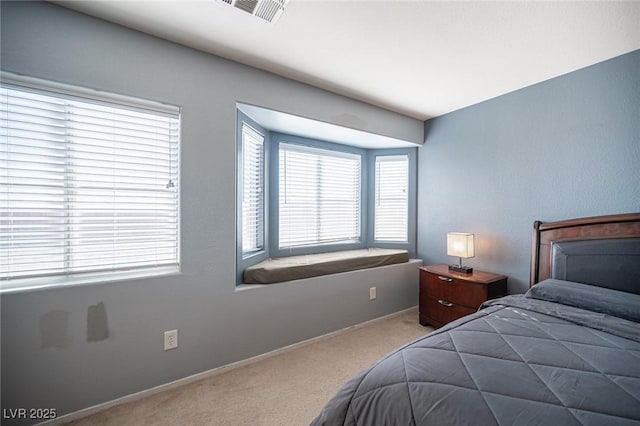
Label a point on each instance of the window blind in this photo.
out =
(85, 186)
(391, 198)
(319, 196)
(253, 188)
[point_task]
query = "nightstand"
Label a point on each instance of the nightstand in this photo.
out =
(446, 295)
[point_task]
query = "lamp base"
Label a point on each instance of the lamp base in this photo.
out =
(461, 269)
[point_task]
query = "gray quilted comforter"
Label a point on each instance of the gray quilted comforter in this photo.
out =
(519, 361)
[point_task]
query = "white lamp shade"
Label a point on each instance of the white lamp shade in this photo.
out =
(460, 244)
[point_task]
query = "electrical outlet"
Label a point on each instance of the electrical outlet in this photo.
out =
(372, 293)
(170, 339)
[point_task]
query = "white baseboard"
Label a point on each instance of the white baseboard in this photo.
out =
(209, 373)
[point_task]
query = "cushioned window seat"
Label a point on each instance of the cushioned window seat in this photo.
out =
(313, 265)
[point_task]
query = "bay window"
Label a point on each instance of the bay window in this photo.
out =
(299, 195)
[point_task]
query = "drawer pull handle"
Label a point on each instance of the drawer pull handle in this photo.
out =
(447, 279)
(445, 303)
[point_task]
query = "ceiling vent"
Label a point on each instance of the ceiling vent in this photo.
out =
(267, 10)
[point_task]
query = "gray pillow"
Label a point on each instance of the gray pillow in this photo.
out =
(596, 299)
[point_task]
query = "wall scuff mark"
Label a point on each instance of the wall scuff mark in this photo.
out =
(97, 324)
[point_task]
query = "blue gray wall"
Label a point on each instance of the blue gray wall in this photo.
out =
(565, 148)
(47, 360)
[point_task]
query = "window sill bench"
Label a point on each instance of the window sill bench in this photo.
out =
(298, 267)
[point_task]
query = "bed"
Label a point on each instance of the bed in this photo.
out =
(566, 352)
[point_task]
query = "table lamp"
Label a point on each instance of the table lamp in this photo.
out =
(460, 244)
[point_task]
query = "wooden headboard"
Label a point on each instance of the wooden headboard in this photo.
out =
(545, 235)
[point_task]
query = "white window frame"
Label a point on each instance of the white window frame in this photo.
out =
(410, 244)
(253, 193)
(78, 97)
(316, 158)
(391, 198)
(245, 258)
(276, 139)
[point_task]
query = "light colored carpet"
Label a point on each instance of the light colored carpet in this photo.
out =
(286, 389)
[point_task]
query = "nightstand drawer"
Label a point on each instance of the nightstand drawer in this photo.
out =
(441, 311)
(454, 290)
(446, 296)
